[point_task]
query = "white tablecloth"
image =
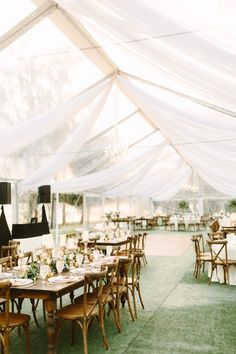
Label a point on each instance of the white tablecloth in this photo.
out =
(218, 274)
(186, 220)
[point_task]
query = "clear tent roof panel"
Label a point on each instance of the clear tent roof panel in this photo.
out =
(173, 44)
(13, 11)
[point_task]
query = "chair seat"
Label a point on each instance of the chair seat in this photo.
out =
(223, 262)
(205, 256)
(15, 319)
(91, 297)
(76, 311)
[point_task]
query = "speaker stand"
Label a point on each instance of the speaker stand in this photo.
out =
(44, 215)
(5, 234)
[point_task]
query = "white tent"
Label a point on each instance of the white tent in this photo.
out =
(125, 97)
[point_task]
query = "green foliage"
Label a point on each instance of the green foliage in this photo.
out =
(183, 205)
(232, 204)
(33, 271)
(72, 199)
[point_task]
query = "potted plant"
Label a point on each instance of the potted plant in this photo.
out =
(183, 205)
(232, 205)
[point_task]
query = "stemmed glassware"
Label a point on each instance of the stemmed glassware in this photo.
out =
(20, 256)
(44, 269)
(96, 254)
(109, 250)
(60, 264)
(79, 258)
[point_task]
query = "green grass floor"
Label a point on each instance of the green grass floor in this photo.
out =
(181, 315)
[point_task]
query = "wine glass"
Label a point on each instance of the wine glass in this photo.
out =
(20, 256)
(96, 254)
(109, 250)
(60, 265)
(79, 258)
(44, 269)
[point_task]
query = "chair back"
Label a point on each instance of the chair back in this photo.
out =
(123, 272)
(197, 248)
(214, 226)
(6, 263)
(199, 243)
(93, 282)
(219, 254)
(9, 251)
(110, 279)
(5, 294)
(26, 258)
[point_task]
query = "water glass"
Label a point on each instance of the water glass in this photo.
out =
(60, 265)
(109, 250)
(44, 269)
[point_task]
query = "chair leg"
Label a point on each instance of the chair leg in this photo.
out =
(85, 335)
(34, 307)
(112, 305)
(140, 296)
(6, 344)
(102, 329)
(118, 309)
(27, 338)
(73, 329)
(134, 300)
(129, 306)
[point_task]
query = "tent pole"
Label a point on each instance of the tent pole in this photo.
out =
(57, 241)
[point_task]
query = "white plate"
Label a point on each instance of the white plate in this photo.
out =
(78, 271)
(62, 279)
(21, 268)
(21, 282)
(5, 275)
(109, 259)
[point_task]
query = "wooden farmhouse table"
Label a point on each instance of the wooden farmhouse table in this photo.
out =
(49, 293)
(113, 242)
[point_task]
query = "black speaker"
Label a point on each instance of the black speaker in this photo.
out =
(44, 194)
(5, 193)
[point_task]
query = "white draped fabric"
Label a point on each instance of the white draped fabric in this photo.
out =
(69, 149)
(210, 139)
(158, 182)
(188, 60)
(125, 166)
(17, 136)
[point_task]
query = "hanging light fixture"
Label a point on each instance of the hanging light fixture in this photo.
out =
(193, 185)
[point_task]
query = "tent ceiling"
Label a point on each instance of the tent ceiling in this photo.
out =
(128, 98)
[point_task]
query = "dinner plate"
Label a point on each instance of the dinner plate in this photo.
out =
(62, 279)
(5, 275)
(78, 271)
(20, 268)
(21, 282)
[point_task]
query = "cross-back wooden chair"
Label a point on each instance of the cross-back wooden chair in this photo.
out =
(201, 257)
(139, 246)
(9, 321)
(134, 280)
(6, 263)
(127, 249)
(84, 311)
(219, 257)
(9, 251)
(121, 285)
(107, 295)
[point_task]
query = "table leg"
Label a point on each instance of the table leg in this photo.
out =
(50, 306)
